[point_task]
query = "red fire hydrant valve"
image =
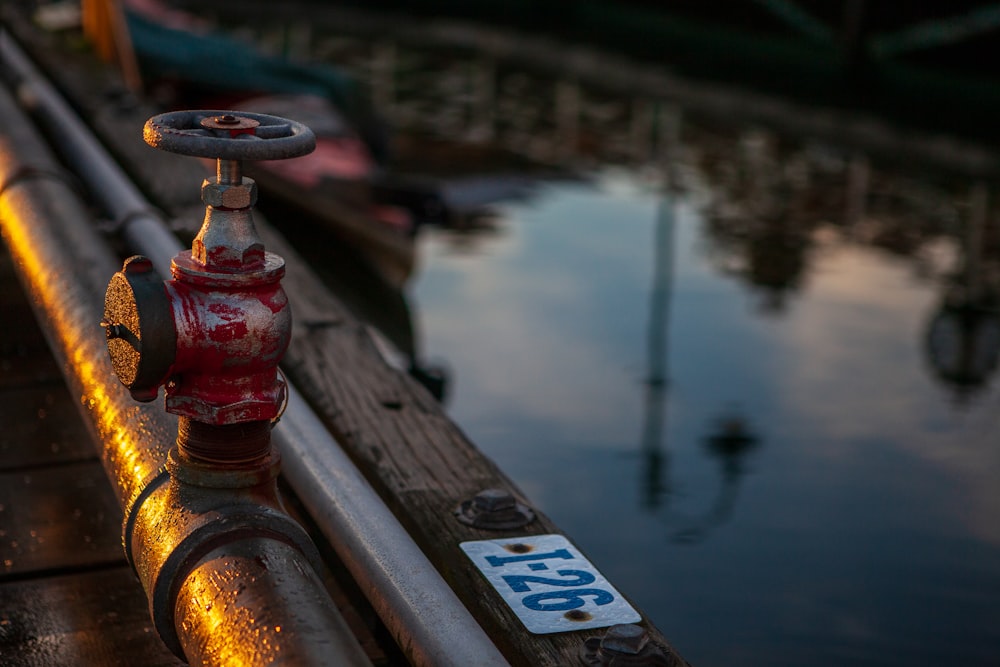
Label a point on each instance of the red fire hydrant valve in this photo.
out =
(214, 333)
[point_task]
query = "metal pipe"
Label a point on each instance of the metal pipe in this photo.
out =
(175, 531)
(124, 203)
(250, 624)
(421, 611)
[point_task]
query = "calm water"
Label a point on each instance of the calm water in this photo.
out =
(852, 515)
(740, 392)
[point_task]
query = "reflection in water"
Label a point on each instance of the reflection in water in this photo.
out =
(729, 444)
(963, 341)
(655, 461)
(871, 535)
(731, 439)
(963, 335)
(758, 222)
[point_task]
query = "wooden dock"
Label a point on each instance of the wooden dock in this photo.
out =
(67, 595)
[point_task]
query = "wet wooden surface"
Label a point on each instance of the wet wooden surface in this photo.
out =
(67, 597)
(86, 618)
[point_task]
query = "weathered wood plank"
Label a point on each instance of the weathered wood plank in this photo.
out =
(24, 354)
(57, 518)
(41, 427)
(98, 618)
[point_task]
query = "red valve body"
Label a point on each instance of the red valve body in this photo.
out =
(232, 331)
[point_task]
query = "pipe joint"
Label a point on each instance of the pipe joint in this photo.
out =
(179, 524)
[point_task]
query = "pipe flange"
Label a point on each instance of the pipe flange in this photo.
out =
(167, 545)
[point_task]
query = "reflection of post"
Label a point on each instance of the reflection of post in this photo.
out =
(567, 119)
(962, 339)
(383, 71)
(854, 35)
(667, 121)
(856, 191)
(483, 100)
(730, 443)
(654, 458)
(978, 208)
(658, 341)
(641, 130)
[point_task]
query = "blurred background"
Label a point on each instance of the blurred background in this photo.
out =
(716, 283)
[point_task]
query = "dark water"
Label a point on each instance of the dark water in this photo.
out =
(750, 376)
(850, 516)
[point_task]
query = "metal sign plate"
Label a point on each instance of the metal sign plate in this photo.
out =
(548, 583)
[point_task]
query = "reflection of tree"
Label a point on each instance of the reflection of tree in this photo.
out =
(770, 201)
(771, 255)
(962, 340)
(768, 206)
(760, 220)
(962, 344)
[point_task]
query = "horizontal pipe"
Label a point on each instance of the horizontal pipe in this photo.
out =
(426, 618)
(118, 195)
(394, 574)
(66, 291)
(171, 525)
(250, 625)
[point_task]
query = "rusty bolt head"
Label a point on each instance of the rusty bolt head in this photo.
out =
(243, 195)
(626, 644)
(494, 509)
(493, 500)
(229, 122)
(628, 638)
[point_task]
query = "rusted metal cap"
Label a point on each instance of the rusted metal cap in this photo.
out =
(139, 325)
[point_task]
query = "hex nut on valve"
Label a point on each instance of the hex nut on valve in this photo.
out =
(231, 196)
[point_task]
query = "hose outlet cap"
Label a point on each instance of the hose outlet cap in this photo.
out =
(139, 326)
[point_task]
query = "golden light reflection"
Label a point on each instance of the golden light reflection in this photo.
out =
(215, 608)
(135, 437)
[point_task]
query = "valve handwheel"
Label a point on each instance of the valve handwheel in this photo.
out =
(229, 135)
(214, 333)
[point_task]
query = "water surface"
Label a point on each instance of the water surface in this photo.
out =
(775, 473)
(752, 376)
